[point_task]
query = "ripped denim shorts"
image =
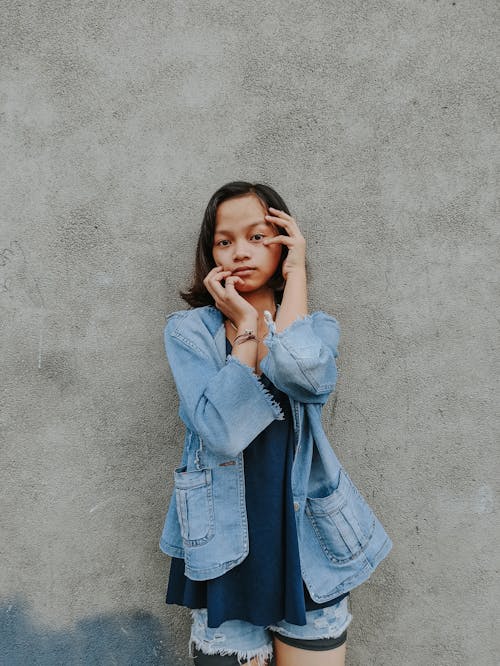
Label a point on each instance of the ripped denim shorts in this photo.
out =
(247, 641)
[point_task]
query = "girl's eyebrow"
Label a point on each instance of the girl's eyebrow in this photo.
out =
(227, 232)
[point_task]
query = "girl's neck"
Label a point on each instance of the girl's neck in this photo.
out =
(262, 300)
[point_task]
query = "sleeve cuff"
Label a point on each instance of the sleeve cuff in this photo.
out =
(254, 378)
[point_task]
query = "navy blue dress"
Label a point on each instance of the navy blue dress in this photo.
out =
(267, 586)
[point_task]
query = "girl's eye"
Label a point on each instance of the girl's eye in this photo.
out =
(226, 241)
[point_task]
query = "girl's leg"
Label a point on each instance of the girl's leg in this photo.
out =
(287, 655)
(320, 642)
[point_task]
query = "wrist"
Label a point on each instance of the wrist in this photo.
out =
(298, 272)
(245, 337)
(250, 323)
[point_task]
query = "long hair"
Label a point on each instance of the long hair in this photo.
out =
(198, 295)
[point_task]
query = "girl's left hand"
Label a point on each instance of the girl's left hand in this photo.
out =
(295, 241)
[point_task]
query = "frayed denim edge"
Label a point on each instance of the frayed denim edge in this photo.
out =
(244, 656)
(276, 407)
(328, 633)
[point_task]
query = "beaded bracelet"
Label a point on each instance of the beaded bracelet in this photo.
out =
(248, 335)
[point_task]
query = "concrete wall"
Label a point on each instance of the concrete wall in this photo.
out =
(376, 122)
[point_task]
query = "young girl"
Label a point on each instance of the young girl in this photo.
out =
(267, 532)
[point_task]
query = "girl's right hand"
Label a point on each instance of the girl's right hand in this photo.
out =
(227, 299)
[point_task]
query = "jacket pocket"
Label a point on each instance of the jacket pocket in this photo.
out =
(195, 505)
(343, 521)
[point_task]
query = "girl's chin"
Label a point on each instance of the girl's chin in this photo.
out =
(248, 288)
(243, 285)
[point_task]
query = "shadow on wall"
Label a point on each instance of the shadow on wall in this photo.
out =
(123, 639)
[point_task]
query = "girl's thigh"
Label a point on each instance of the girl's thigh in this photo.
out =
(320, 642)
(287, 655)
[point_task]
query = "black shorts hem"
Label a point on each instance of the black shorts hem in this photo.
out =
(317, 644)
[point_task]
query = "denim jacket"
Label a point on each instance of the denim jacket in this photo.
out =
(224, 407)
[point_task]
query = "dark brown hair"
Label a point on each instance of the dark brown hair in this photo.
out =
(198, 295)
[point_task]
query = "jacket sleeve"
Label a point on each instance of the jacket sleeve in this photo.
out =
(301, 358)
(226, 406)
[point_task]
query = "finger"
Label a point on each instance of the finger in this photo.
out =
(285, 240)
(213, 273)
(229, 288)
(281, 221)
(217, 270)
(287, 223)
(214, 283)
(231, 280)
(280, 215)
(216, 275)
(276, 211)
(220, 275)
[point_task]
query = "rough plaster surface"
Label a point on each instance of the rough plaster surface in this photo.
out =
(377, 123)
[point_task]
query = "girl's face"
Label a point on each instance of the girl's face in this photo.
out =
(240, 229)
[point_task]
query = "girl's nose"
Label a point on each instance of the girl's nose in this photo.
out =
(240, 251)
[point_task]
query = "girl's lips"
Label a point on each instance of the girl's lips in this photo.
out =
(245, 272)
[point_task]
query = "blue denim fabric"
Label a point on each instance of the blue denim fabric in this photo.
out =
(249, 641)
(224, 407)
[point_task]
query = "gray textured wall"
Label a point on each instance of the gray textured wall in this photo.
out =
(376, 122)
